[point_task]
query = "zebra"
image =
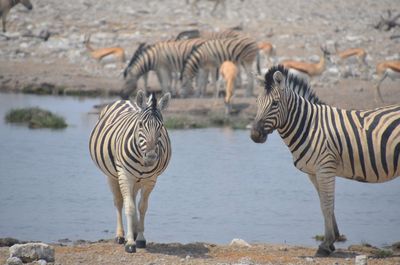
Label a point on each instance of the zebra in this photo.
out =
(326, 141)
(166, 58)
(210, 35)
(212, 53)
(132, 148)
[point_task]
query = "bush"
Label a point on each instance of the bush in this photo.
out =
(35, 118)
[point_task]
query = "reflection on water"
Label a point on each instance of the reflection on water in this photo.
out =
(219, 186)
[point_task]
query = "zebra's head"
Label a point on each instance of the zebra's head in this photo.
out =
(271, 105)
(149, 126)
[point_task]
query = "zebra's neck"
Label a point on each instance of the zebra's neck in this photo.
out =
(145, 63)
(301, 122)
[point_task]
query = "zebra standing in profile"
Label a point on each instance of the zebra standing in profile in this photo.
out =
(326, 141)
(165, 58)
(212, 53)
(131, 146)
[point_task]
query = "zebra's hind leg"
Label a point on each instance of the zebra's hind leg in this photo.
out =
(118, 203)
(143, 205)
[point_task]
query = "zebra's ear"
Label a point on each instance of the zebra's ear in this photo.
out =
(140, 99)
(164, 101)
(278, 78)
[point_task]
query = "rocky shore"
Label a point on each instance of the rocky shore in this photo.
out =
(237, 252)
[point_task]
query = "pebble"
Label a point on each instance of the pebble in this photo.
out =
(239, 242)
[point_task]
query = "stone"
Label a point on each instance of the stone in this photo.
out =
(361, 260)
(239, 243)
(32, 251)
(14, 261)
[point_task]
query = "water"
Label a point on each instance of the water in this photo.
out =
(219, 186)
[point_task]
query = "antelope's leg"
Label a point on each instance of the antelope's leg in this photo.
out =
(3, 18)
(250, 84)
(378, 87)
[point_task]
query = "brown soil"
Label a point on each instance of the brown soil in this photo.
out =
(108, 252)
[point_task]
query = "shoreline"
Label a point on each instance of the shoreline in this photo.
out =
(106, 251)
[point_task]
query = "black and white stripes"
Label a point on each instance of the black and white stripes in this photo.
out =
(131, 146)
(326, 141)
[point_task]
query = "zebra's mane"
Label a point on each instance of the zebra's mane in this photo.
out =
(141, 49)
(298, 85)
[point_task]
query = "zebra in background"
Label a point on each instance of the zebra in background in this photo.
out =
(326, 141)
(165, 58)
(210, 35)
(131, 147)
(212, 53)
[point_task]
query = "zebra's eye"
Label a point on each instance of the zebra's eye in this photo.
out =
(274, 103)
(140, 124)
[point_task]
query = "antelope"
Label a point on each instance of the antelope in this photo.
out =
(195, 8)
(228, 72)
(359, 53)
(117, 53)
(306, 70)
(386, 69)
(6, 5)
(265, 51)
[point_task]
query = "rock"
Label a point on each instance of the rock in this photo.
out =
(14, 261)
(361, 260)
(40, 262)
(239, 243)
(32, 251)
(8, 241)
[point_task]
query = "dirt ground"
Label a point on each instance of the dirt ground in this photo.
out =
(296, 28)
(108, 252)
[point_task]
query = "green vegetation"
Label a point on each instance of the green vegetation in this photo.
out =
(182, 123)
(383, 253)
(213, 119)
(35, 118)
(342, 238)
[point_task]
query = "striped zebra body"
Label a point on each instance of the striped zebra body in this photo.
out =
(165, 58)
(212, 53)
(326, 141)
(209, 35)
(131, 147)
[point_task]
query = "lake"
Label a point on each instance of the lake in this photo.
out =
(219, 186)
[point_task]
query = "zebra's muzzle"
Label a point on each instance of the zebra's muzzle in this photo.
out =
(258, 137)
(150, 158)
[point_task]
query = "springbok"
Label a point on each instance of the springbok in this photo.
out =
(113, 53)
(306, 70)
(196, 10)
(265, 51)
(386, 69)
(359, 53)
(228, 72)
(6, 5)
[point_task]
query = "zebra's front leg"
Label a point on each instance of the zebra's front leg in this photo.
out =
(143, 205)
(126, 184)
(313, 179)
(326, 187)
(118, 203)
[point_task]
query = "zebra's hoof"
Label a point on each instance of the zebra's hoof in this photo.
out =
(130, 248)
(141, 243)
(332, 247)
(323, 252)
(120, 240)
